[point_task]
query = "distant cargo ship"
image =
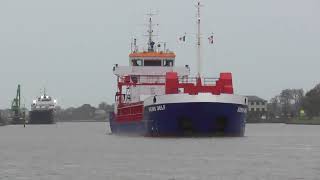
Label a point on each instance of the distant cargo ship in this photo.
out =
(156, 98)
(42, 110)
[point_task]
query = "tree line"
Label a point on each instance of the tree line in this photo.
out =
(84, 112)
(293, 103)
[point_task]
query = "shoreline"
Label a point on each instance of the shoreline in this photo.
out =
(303, 122)
(83, 121)
(289, 121)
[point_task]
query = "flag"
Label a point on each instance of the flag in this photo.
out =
(211, 39)
(183, 38)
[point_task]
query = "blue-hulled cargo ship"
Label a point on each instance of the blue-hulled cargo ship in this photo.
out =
(156, 98)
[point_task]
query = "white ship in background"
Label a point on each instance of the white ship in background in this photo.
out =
(42, 110)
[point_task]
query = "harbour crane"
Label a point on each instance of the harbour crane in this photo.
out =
(18, 114)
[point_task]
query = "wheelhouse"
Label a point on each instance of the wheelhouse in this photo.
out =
(155, 59)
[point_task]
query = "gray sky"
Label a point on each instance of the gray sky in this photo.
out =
(70, 46)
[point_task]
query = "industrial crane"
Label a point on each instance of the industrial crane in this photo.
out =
(18, 115)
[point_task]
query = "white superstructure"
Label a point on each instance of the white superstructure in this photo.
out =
(44, 102)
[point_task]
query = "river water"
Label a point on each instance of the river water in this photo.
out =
(86, 151)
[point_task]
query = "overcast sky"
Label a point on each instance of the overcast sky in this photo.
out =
(70, 46)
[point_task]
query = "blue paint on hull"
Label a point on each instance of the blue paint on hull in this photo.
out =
(187, 119)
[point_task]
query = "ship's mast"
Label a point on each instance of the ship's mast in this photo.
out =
(151, 43)
(198, 40)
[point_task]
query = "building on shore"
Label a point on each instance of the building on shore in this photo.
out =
(100, 115)
(257, 109)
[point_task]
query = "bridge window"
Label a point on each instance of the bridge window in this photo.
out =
(137, 62)
(168, 62)
(152, 62)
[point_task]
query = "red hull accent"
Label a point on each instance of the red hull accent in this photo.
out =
(130, 112)
(223, 85)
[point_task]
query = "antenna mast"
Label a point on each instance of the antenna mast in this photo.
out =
(198, 40)
(151, 43)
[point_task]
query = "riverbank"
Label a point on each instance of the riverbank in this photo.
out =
(313, 121)
(3, 122)
(100, 120)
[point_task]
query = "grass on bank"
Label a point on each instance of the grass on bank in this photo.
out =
(301, 120)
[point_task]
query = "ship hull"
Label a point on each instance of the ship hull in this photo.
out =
(187, 118)
(41, 117)
(196, 119)
(132, 128)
